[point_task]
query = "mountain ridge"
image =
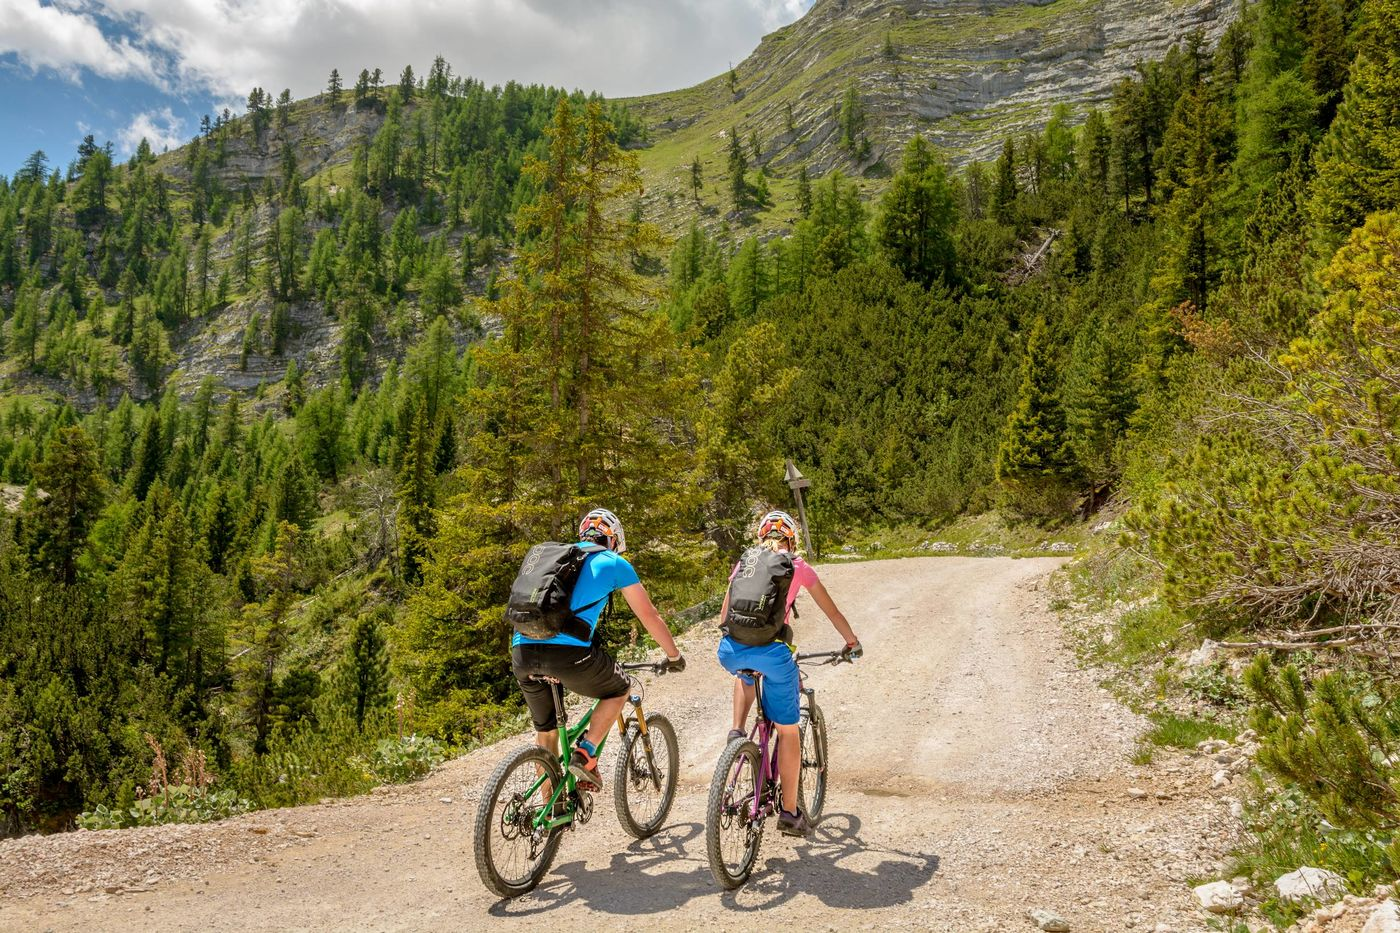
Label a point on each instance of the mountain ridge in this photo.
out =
(965, 73)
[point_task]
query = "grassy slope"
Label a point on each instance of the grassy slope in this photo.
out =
(945, 58)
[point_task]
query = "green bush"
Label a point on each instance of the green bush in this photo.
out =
(304, 764)
(398, 761)
(1334, 746)
(178, 803)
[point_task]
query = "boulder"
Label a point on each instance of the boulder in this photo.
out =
(1218, 897)
(1384, 919)
(1310, 883)
(1048, 920)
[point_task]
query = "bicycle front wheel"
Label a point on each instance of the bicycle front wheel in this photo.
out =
(512, 855)
(732, 835)
(811, 781)
(644, 784)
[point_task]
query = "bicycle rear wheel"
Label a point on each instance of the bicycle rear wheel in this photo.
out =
(644, 784)
(512, 856)
(811, 781)
(732, 836)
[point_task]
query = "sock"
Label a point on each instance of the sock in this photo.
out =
(792, 813)
(589, 748)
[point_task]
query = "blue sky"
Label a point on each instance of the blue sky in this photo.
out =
(127, 69)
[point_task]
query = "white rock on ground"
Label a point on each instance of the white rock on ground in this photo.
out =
(1048, 920)
(1308, 882)
(1218, 897)
(1384, 919)
(1203, 655)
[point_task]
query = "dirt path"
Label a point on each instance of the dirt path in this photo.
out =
(976, 774)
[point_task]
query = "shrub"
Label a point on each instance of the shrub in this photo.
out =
(178, 803)
(398, 761)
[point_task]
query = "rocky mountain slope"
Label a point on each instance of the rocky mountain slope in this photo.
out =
(965, 73)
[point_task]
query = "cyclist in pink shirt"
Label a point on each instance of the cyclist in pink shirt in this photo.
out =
(774, 660)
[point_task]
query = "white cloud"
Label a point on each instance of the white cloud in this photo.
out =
(161, 128)
(225, 47)
(67, 40)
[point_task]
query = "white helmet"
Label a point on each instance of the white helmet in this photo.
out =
(604, 525)
(779, 524)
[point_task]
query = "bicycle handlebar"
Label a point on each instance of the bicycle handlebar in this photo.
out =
(825, 657)
(655, 667)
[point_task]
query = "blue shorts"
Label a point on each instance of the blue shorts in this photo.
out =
(776, 663)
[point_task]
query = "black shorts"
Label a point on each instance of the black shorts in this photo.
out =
(589, 672)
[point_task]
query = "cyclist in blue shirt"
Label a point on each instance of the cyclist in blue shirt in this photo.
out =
(585, 667)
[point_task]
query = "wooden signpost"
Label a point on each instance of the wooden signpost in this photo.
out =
(797, 482)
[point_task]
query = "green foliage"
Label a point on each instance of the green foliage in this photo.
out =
(1174, 731)
(917, 218)
(1034, 462)
(1358, 164)
(398, 761)
(175, 804)
(1288, 520)
(1336, 739)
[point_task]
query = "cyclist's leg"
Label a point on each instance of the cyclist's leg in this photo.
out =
(743, 702)
(734, 657)
(789, 763)
(781, 684)
(597, 674)
(539, 698)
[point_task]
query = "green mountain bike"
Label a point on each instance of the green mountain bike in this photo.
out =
(531, 797)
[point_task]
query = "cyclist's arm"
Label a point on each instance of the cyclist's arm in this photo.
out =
(828, 605)
(637, 598)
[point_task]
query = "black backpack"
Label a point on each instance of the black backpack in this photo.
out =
(758, 596)
(540, 596)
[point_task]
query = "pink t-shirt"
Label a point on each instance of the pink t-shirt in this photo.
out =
(803, 576)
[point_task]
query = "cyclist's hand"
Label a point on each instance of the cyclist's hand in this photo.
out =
(852, 652)
(673, 665)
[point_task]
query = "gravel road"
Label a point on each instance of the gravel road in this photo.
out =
(977, 773)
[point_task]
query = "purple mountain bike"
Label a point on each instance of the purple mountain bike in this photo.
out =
(746, 790)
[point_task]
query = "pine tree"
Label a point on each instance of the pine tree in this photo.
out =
(417, 494)
(57, 524)
(804, 192)
(1006, 192)
(265, 632)
(917, 217)
(852, 118)
(738, 165)
(1358, 163)
(407, 85)
(1193, 153)
(1033, 460)
(584, 386)
(1099, 400)
(364, 670)
(697, 179)
(333, 87)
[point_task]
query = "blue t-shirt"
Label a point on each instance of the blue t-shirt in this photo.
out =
(602, 573)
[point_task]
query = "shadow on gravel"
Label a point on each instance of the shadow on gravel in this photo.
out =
(838, 868)
(668, 870)
(650, 876)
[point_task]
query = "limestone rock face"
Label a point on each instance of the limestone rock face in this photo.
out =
(965, 73)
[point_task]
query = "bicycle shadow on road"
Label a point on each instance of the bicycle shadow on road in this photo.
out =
(839, 868)
(630, 885)
(834, 864)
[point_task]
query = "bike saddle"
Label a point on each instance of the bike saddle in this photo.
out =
(745, 672)
(544, 678)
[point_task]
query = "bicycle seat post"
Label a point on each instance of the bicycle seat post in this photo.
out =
(561, 715)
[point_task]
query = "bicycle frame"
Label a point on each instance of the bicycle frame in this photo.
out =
(764, 801)
(567, 737)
